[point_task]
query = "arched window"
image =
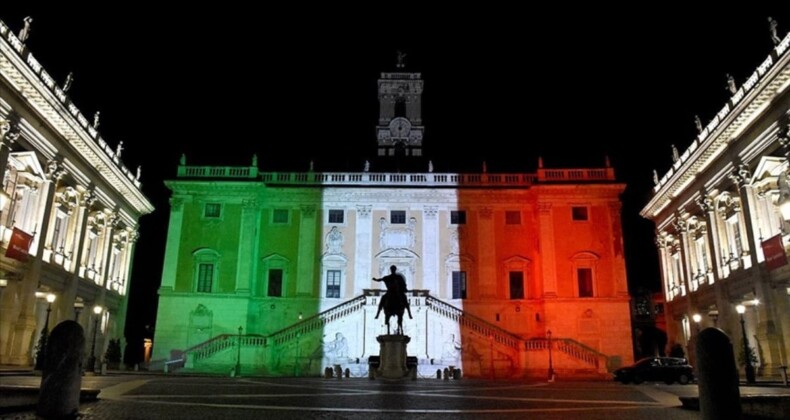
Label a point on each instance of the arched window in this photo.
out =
(518, 283)
(275, 276)
(584, 274)
(400, 107)
(206, 274)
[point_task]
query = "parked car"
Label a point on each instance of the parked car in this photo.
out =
(666, 369)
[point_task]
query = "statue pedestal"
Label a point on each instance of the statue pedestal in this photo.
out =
(393, 356)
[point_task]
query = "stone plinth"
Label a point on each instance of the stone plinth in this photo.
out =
(393, 356)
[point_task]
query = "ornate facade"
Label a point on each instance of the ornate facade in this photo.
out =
(272, 271)
(69, 211)
(722, 221)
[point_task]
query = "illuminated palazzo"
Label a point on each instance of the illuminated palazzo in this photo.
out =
(276, 268)
(69, 211)
(721, 215)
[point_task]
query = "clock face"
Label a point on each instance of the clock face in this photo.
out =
(400, 128)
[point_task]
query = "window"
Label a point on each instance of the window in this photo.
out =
(516, 285)
(280, 216)
(205, 278)
(459, 284)
(584, 276)
(398, 217)
(336, 216)
(579, 213)
(59, 231)
(333, 283)
(275, 287)
(93, 244)
(512, 217)
(400, 107)
(212, 210)
(458, 217)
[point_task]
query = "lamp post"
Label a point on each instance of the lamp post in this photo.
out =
(97, 310)
(551, 362)
(697, 318)
(238, 354)
(746, 353)
(78, 306)
(296, 358)
(491, 342)
(3, 285)
(42, 340)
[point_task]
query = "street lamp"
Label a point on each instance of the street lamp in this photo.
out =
(551, 362)
(296, 359)
(42, 340)
(746, 353)
(97, 310)
(491, 342)
(78, 306)
(238, 354)
(697, 319)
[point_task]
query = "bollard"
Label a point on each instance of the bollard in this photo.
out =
(61, 380)
(438, 374)
(719, 396)
(347, 372)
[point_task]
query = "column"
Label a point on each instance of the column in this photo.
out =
(26, 323)
(248, 237)
(714, 248)
(173, 245)
(430, 244)
(112, 221)
(487, 252)
(9, 132)
(547, 258)
(363, 252)
(305, 265)
(621, 283)
(70, 292)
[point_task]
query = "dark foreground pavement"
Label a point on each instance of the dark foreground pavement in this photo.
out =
(154, 396)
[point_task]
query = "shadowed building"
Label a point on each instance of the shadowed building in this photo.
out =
(69, 211)
(721, 215)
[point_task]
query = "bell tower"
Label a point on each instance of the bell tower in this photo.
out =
(400, 128)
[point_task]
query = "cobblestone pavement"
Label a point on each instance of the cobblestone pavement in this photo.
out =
(155, 397)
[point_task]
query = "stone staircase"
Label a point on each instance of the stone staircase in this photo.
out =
(503, 353)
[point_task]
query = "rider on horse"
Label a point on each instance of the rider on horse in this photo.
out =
(396, 289)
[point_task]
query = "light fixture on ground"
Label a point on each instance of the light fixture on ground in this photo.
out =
(296, 359)
(3, 285)
(78, 306)
(238, 354)
(42, 341)
(551, 363)
(97, 310)
(746, 351)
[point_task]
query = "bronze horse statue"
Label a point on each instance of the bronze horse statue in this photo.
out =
(394, 302)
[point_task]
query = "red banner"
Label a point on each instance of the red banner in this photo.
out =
(19, 245)
(774, 252)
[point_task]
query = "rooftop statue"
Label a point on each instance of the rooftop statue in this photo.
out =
(25, 32)
(773, 26)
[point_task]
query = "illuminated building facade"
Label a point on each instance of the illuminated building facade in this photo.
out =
(273, 270)
(69, 211)
(721, 215)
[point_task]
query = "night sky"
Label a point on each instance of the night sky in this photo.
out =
(504, 86)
